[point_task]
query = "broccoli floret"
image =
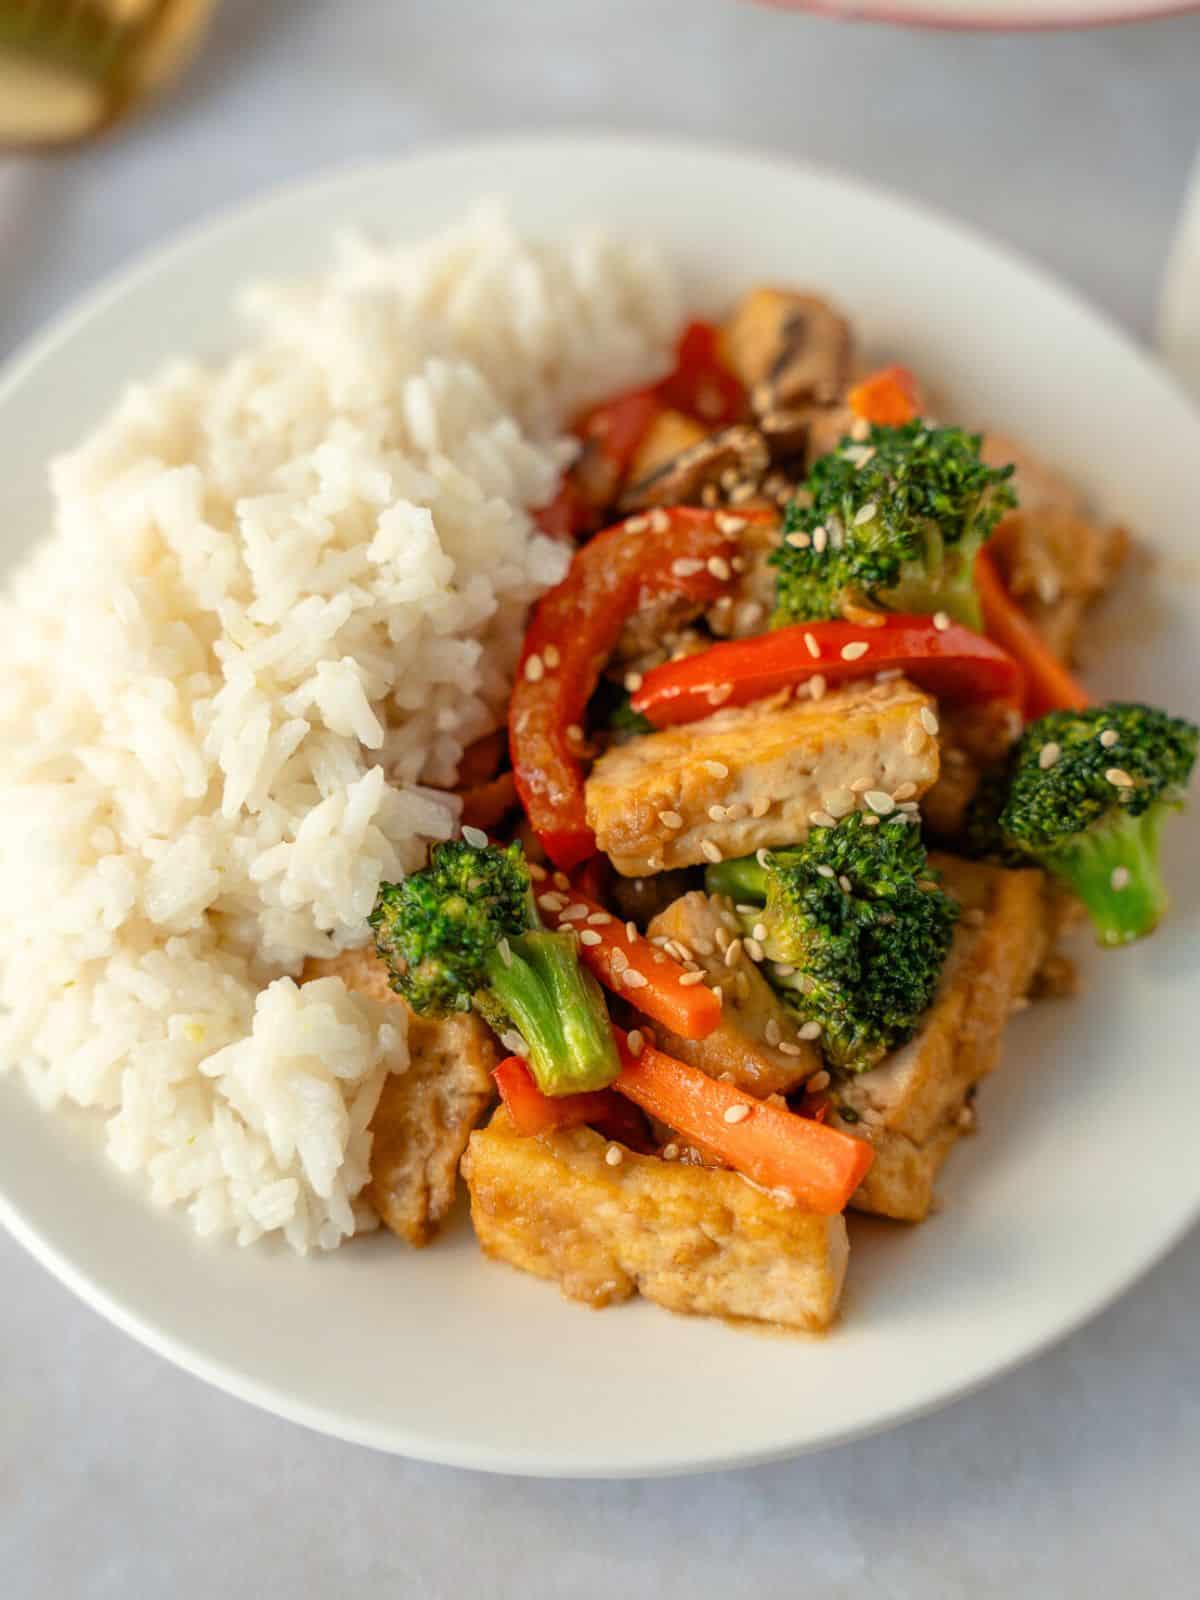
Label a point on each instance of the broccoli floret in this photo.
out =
(894, 522)
(1088, 793)
(857, 930)
(466, 932)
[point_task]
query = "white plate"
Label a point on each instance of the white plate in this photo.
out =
(989, 15)
(1085, 1171)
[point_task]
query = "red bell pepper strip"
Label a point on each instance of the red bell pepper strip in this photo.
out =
(887, 398)
(610, 435)
(533, 1112)
(953, 662)
(701, 384)
(659, 988)
(818, 1166)
(573, 631)
(1049, 686)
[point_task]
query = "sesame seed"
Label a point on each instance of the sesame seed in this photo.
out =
(687, 979)
(798, 541)
(844, 884)
(670, 1152)
(880, 802)
(822, 819)
(760, 806)
(727, 523)
(613, 1155)
(817, 685)
(686, 567)
(716, 813)
(551, 902)
(771, 1032)
(514, 1043)
(575, 913)
(870, 820)
(637, 524)
(763, 857)
(505, 952)
(709, 850)
(1109, 738)
(966, 1117)
(1048, 755)
(1119, 778)
(537, 872)
(561, 881)
(534, 670)
(589, 936)
(619, 961)
(754, 949)
(904, 791)
(818, 1081)
(636, 1042)
(820, 538)
(811, 645)
(735, 812)
(719, 567)
(631, 931)
(551, 656)
(733, 952)
(718, 695)
(810, 1030)
(634, 980)
(721, 935)
(574, 733)
(738, 563)
(633, 681)
(760, 930)
(659, 521)
(715, 769)
(826, 872)
(717, 992)
(1120, 878)
(860, 428)
(737, 1113)
(475, 837)
(787, 1048)
(929, 722)
(598, 918)
(856, 649)
(941, 621)
(670, 819)
(865, 513)
(782, 970)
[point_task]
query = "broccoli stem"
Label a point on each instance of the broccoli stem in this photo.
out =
(743, 880)
(944, 581)
(558, 1009)
(1128, 846)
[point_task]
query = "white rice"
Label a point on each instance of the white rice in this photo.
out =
(279, 599)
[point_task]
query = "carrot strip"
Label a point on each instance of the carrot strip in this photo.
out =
(1049, 685)
(818, 1166)
(691, 1010)
(533, 1112)
(887, 398)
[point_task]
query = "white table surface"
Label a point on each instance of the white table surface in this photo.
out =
(1079, 1474)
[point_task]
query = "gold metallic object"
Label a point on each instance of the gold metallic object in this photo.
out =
(69, 68)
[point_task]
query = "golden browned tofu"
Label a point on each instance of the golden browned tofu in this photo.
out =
(756, 1045)
(972, 737)
(914, 1105)
(741, 779)
(1056, 565)
(427, 1111)
(694, 1239)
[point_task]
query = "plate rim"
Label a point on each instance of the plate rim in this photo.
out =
(390, 1437)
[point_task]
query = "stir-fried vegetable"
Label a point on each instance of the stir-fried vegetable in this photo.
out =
(701, 384)
(572, 633)
(891, 522)
(952, 662)
(466, 932)
(1049, 685)
(1086, 798)
(857, 920)
(637, 970)
(887, 398)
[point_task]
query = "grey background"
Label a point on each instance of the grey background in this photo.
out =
(1078, 1474)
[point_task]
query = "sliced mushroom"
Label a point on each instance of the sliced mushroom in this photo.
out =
(728, 462)
(793, 352)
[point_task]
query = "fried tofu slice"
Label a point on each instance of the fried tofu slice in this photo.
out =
(694, 1239)
(1056, 561)
(971, 738)
(741, 779)
(427, 1110)
(914, 1106)
(739, 1048)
